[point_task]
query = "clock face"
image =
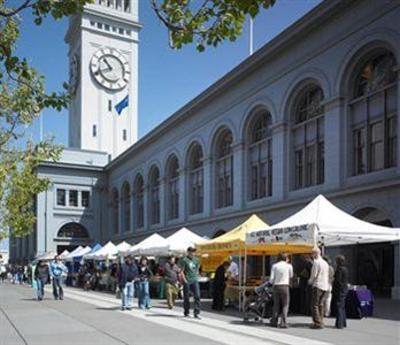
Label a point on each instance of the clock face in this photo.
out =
(110, 69)
(73, 74)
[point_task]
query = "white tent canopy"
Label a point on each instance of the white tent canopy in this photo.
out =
(182, 239)
(335, 227)
(107, 252)
(123, 247)
(64, 254)
(78, 252)
(154, 245)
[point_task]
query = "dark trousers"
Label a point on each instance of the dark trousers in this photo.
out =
(188, 289)
(281, 304)
(58, 291)
(340, 304)
(317, 306)
(218, 297)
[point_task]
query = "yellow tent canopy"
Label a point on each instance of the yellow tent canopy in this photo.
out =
(233, 242)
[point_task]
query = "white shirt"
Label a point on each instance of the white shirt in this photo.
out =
(319, 276)
(281, 273)
(234, 269)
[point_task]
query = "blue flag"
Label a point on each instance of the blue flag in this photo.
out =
(122, 105)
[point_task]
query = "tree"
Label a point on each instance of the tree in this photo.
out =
(22, 99)
(207, 22)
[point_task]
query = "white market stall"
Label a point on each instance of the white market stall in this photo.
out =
(322, 223)
(123, 247)
(77, 253)
(108, 251)
(64, 254)
(181, 240)
(154, 245)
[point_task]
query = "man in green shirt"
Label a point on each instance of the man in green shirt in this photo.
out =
(190, 268)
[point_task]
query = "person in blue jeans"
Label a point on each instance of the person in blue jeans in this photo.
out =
(42, 277)
(190, 266)
(128, 273)
(143, 284)
(57, 272)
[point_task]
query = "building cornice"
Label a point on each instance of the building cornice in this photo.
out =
(72, 166)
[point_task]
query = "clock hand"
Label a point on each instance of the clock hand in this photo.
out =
(108, 65)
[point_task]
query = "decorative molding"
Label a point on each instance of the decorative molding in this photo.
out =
(332, 103)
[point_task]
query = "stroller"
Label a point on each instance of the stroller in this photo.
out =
(259, 304)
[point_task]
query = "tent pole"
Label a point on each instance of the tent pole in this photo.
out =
(240, 277)
(263, 267)
(245, 279)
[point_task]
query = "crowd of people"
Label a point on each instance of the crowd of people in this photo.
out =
(321, 285)
(328, 287)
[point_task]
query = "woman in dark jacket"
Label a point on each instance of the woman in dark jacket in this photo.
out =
(42, 277)
(339, 291)
(219, 286)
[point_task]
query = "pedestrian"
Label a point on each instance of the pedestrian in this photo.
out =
(233, 269)
(305, 289)
(128, 274)
(219, 286)
(339, 291)
(328, 299)
(190, 267)
(143, 284)
(171, 275)
(57, 272)
(281, 274)
(42, 274)
(319, 281)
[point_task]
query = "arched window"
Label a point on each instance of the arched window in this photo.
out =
(73, 230)
(173, 187)
(260, 155)
(308, 137)
(154, 180)
(139, 201)
(126, 207)
(196, 183)
(224, 169)
(373, 114)
(115, 211)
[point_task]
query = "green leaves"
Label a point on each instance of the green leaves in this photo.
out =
(207, 22)
(22, 99)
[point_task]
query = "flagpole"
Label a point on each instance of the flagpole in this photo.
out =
(251, 36)
(41, 127)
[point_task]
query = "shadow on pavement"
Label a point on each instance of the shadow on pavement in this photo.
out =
(108, 308)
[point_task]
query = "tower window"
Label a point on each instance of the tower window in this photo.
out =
(94, 131)
(61, 196)
(85, 200)
(114, 29)
(121, 31)
(99, 25)
(109, 105)
(107, 27)
(73, 198)
(124, 134)
(92, 23)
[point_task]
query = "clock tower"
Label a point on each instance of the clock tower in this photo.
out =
(103, 76)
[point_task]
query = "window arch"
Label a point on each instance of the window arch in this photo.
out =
(259, 146)
(73, 230)
(154, 179)
(224, 169)
(308, 137)
(115, 211)
(173, 187)
(373, 113)
(126, 207)
(196, 179)
(138, 191)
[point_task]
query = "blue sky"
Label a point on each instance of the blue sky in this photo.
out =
(167, 78)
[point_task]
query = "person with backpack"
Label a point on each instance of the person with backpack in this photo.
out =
(171, 277)
(128, 274)
(339, 291)
(41, 275)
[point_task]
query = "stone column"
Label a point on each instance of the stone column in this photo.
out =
(146, 213)
(335, 155)
(279, 161)
(396, 287)
(163, 211)
(183, 192)
(238, 176)
(208, 187)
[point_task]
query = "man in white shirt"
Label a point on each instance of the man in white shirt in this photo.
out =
(233, 269)
(281, 273)
(319, 281)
